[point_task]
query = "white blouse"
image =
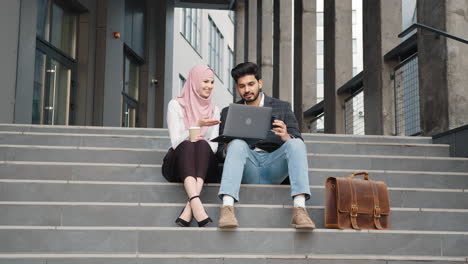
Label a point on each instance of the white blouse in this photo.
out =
(177, 130)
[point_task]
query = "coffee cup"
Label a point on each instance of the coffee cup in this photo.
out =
(194, 132)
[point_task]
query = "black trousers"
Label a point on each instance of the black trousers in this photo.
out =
(191, 159)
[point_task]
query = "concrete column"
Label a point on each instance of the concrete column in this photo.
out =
(148, 97)
(309, 57)
(86, 47)
(252, 30)
(285, 51)
(276, 48)
(26, 54)
(164, 60)
(9, 28)
(266, 62)
(432, 65)
(297, 55)
(338, 60)
(457, 63)
(113, 78)
(442, 66)
(101, 42)
(240, 37)
(382, 24)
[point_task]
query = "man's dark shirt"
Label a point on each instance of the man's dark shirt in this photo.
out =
(281, 110)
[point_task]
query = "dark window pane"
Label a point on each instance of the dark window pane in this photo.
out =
(134, 35)
(42, 21)
(63, 30)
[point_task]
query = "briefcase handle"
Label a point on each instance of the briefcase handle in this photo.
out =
(366, 175)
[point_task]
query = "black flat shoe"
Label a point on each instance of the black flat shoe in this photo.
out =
(205, 221)
(181, 222)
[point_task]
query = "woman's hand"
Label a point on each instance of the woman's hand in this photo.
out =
(205, 121)
(199, 137)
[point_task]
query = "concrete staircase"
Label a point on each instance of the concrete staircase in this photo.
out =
(87, 195)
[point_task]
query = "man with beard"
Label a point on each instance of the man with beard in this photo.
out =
(268, 161)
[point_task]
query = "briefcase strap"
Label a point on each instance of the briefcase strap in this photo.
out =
(353, 212)
(375, 193)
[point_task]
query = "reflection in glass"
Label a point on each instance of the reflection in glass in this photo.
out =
(63, 30)
(61, 96)
(130, 92)
(38, 90)
(131, 82)
(42, 26)
(51, 94)
(129, 115)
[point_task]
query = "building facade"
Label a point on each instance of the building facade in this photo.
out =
(104, 63)
(204, 36)
(113, 63)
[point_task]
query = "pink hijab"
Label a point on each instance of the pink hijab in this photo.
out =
(193, 105)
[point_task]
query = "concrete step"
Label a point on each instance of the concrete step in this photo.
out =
(85, 130)
(137, 192)
(158, 142)
(152, 173)
(164, 214)
(224, 259)
(164, 132)
(154, 156)
(242, 241)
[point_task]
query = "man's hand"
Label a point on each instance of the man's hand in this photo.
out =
(280, 129)
(205, 121)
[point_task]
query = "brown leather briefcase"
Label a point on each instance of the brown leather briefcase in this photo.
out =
(352, 203)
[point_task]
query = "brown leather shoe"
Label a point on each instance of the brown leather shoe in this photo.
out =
(301, 219)
(227, 218)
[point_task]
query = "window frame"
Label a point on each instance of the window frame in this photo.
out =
(191, 27)
(215, 44)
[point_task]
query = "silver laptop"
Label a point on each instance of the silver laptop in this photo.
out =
(246, 122)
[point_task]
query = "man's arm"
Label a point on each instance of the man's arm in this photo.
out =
(291, 123)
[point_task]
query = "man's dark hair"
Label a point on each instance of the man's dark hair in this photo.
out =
(245, 68)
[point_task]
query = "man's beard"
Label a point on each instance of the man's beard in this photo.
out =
(254, 98)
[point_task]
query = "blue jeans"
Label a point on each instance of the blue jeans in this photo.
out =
(243, 165)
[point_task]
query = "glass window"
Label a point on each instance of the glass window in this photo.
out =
(39, 86)
(215, 44)
(354, 18)
(130, 92)
(230, 67)
(63, 30)
(191, 27)
(42, 26)
(232, 16)
(320, 21)
(134, 35)
(51, 91)
(58, 26)
(131, 81)
(319, 76)
(54, 63)
(320, 47)
(354, 45)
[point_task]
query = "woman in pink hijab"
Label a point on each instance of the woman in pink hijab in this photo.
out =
(187, 161)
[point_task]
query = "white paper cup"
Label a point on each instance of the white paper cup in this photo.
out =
(194, 132)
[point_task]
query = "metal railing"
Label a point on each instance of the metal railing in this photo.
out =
(317, 124)
(435, 30)
(354, 113)
(406, 88)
